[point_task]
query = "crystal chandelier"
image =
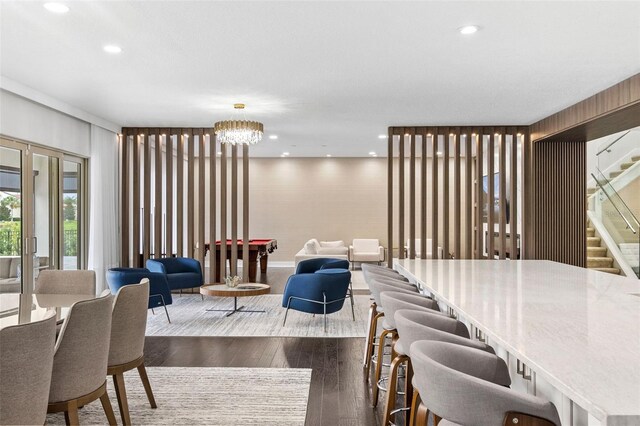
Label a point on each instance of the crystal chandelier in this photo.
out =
(238, 132)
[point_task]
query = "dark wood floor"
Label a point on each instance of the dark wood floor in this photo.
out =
(339, 393)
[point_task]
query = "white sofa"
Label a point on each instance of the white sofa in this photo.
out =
(429, 249)
(10, 271)
(366, 250)
(313, 249)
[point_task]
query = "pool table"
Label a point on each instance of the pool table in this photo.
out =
(259, 250)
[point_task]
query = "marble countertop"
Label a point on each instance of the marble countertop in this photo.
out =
(577, 328)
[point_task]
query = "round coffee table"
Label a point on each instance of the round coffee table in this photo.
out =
(242, 290)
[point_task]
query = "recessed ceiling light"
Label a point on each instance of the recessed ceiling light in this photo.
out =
(56, 7)
(273, 137)
(439, 153)
(112, 48)
(382, 136)
(468, 29)
(372, 153)
(219, 152)
(285, 154)
(328, 155)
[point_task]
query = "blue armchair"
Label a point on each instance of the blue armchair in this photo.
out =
(322, 292)
(181, 272)
(159, 292)
(310, 266)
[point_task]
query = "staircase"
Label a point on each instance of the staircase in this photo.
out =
(624, 166)
(597, 257)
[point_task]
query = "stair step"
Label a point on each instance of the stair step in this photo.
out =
(625, 166)
(635, 158)
(591, 232)
(613, 175)
(599, 262)
(596, 251)
(591, 191)
(614, 271)
(593, 241)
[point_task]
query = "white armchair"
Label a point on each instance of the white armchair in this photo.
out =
(366, 250)
(429, 249)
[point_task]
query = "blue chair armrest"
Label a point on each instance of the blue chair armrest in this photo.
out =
(156, 266)
(189, 265)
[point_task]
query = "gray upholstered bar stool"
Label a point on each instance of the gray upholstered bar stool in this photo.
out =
(376, 312)
(26, 361)
(80, 361)
(413, 325)
(459, 385)
(126, 350)
(388, 326)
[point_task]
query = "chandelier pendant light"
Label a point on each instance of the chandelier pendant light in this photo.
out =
(238, 132)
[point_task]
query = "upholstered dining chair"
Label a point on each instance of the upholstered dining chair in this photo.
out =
(388, 327)
(458, 385)
(413, 324)
(52, 281)
(159, 291)
(26, 361)
(322, 292)
(80, 360)
(126, 350)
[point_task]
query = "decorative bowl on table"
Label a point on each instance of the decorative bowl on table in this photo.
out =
(232, 282)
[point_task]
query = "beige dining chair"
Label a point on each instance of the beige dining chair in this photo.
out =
(126, 350)
(52, 281)
(80, 361)
(26, 360)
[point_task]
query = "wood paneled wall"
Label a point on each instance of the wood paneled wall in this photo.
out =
(467, 149)
(558, 202)
(148, 225)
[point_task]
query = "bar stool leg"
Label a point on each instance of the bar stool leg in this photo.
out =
(371, 343)
(408, 391)
(392, 384)
(381, 344)
(372, 313)
(415, 401)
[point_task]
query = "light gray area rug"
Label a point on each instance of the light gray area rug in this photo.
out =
(209, 396)
(189, 317)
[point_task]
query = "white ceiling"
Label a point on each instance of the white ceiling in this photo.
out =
(326, 77)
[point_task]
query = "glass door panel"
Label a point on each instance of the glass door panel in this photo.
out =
(71, 215)
(11, 232)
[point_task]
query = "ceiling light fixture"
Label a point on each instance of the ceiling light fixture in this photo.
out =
(286, 154)
(273, 137)
(468, 29)
(219, 152)
(438, 153)
(372, 153)
(56, 7)
(112, 48)
(238, 132)
(328, 155)
(381, 136)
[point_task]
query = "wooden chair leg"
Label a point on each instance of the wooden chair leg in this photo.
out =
(415, 401)
(108, 409)
(370, 346)
(121, 394)
(422, 415)
(367, 358)
(408, 390)
(392, 384)
(71, 414)
(378, 373)
(147, 385)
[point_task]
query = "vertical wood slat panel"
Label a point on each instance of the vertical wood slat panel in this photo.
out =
(479, 202)
(146, 240)
(434, 193)
(491, 194)
(390, 197)
(468, 177)
(124, 193)
(502, 197)
(213, 271)
(234, 210)
(457, 213)
(245, 213)
(223, 212)
(423, 196)
(180, 138)
(168, 245)
(157, 208)
(445, 192)
(412, 195)
(201, 192)
(401, 242)
(136, 199)
(513, 211)
(190, 191)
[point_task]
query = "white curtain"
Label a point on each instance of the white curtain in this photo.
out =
(103, 204)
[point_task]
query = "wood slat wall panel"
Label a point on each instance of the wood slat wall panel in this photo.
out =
(168, 244)
(146, 237)
(157, 205)
(213, 271)
(479, 194)
(180, 193)
(223, 210)
(491, 195)
(468, 194)
(502, 197)
(513, 211)
(390, 197)
(136, 199)
(401, 240)
(124, 198)
(245, 212)
(234, 210)
(412, 195)
(190, 191)
(445, 192)
(201, 197)
(423, 196)
(457, 212)
(434, 193)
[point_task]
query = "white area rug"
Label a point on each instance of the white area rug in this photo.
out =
(209, 396)
(189, 317)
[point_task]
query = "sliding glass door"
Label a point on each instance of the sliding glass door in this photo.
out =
(11, 214)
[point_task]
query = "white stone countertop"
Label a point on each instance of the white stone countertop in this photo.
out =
(577, 328)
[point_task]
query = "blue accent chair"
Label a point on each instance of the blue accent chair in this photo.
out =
(310, 266)
(159, 292)
(181, 272)
(321, 292)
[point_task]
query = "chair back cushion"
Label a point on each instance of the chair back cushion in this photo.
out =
(129, 323)
(309, 266)
(333, 244)
(66, 282)
(158, 284)
(82, 350)
(394, 300)
(332, 283)
(366, 246)
(26, 361)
